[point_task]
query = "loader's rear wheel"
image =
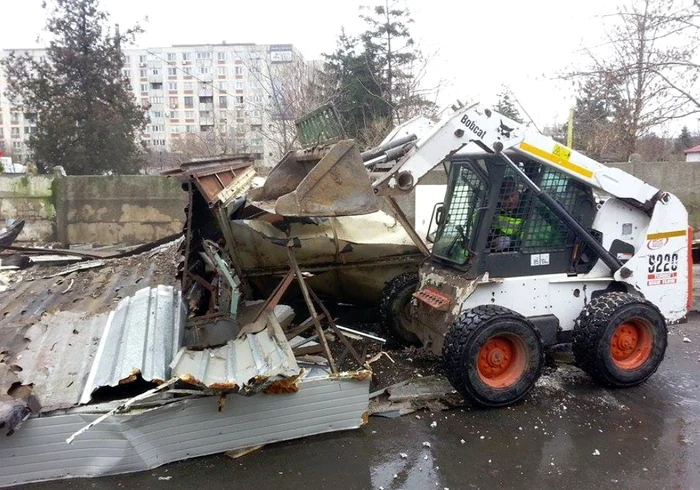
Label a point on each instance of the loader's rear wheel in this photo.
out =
(493, 355)
(619, 339)
(395, 306)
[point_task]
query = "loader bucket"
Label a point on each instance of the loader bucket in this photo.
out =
(325, 181)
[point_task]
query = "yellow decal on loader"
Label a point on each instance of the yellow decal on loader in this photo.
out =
(666, 234)
(560, 157)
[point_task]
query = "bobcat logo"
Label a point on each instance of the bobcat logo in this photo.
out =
(504, 130)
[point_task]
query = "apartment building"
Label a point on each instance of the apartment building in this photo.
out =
(208, 99)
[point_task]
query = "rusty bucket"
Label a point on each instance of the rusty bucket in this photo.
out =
(328, 180)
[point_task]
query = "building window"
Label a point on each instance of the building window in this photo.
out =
(172, 101)
(190, 129)
(155, 71)
(157, 115)
(174, 129)
(204, 70)
(126, 73)
(221, 71)
(189, 85)
(157, 86)
(127, 59)
(16, 145)
(204, 114)
(189, 114)
(14, 117)
(186, 56)
(174, 115)
(144, 87)
(171, 56)
(172, 86)
(189, 101)
(239, 99)
(221, 56)
(142, 58)
(222, 85)
(143, 73)
(156, 128)
(172, 72)
(222, 101)
(144, 102)
(157, 100)
(240, 114)
(187, 71)
(204, 55)
(14, 132)
(239, 85)
(238, 70)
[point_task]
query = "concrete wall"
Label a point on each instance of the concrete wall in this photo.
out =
(679, 178)
(101, 210)
(29, 198)
(118, 209)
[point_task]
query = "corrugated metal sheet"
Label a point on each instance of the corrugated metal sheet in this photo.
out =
(247, 364)
(58, 357)
(186, 429)
(51, 327)
(141, 337)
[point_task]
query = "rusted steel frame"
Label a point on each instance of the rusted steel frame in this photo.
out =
(336, 330)
(200, 281)
(312, 309)
(303, 326)
(274, 298)
(401, 217)
(278, 271)
(188, 237)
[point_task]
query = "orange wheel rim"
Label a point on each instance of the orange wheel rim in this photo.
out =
(631, 344)
(501, 361)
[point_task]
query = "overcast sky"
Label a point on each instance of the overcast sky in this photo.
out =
(476, 45)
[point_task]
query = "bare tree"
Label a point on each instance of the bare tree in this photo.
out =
(647, 57)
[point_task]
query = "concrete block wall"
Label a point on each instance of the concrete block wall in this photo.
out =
(116, 209)
(29, 198)
(101, 210)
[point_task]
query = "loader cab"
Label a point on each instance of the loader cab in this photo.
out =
(490, 222)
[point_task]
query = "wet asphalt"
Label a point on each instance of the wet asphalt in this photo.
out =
(568, 433)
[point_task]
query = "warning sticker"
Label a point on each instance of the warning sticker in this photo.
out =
(662, 278)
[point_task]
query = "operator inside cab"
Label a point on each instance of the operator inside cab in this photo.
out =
(506, 231)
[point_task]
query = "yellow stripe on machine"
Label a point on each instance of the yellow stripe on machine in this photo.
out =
(557, 159)
(666, 234)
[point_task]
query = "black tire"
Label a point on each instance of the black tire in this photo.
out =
(395, 306)
(463, 355)
(613, 316)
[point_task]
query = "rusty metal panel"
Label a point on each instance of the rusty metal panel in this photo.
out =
(247, 365)
(212, 183)
(142, 335)
(57, 358)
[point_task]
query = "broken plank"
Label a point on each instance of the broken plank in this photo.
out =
(428, 388)
(237, 453)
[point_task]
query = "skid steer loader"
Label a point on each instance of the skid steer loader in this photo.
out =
(524, 255)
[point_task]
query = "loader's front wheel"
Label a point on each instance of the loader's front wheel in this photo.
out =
(395, 306)
(619, 339)
(493, 355)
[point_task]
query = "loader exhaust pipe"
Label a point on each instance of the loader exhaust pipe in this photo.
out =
(560, 212)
